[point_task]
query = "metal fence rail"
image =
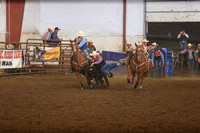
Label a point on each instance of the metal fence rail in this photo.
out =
(30, 64)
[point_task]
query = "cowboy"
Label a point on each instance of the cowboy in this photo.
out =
(197, 57)
(190, 57)
(144, 44)
(82, 43)
(158, 60)
(129, 53)
(47, 35)
(104, 67)
(152, 48)
(129, 49)
(183, 37)
(54, 36)
(91, 47)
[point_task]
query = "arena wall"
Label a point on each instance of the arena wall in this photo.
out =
(185, 11)
(101, 20)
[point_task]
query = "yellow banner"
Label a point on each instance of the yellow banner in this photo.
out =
(52, 54)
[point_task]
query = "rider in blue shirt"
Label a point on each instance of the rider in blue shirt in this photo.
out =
(82, 43)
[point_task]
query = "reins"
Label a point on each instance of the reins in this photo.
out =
(79, 64)
(137, 66)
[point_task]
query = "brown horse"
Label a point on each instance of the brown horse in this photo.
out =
(79, 61)
(140, 65)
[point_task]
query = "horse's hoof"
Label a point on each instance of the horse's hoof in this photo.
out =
(140, 87)
(91, 86)
(81, 86)
(102, 82)
(129, 81)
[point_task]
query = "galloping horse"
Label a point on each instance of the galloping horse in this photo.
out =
(79, 61)
(140, 65)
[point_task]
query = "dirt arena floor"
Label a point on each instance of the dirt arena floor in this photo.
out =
(55, 104)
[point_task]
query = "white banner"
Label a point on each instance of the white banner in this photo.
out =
(10, 58)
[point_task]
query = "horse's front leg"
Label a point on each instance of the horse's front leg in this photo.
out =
(79, 77)
(129, 75)
(133, 77)
(145, 75)
(138, 80)
(106, 79)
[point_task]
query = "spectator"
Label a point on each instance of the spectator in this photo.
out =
(190, 57)
(129, 50)
(152, 48)
(183, 37)
(47, 35)
(158, 61)
(54, 36)
(91, 47)
(197, 57)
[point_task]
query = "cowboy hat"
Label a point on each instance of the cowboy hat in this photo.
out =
(56, 28)
(189, 45)
(80, 33)
(154, 44)
(198, 44)
(128, 43)
(90, 41)
(94, 53)
(50, 28)
(145, 40)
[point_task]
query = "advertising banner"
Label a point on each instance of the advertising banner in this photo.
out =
(10, 58)
(46, 55)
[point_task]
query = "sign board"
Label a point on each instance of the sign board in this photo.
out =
(10, 58)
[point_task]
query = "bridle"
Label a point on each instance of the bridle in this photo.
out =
(75, 51)
(139, 58)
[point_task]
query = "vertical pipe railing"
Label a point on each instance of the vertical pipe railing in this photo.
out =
(124, 25)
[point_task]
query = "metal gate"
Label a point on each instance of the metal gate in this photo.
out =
(34, 65)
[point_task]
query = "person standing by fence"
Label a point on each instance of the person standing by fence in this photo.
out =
(190, 57)
(183, 37)
(91, 47)
(158, 62)
(197, 57)
(54, 36)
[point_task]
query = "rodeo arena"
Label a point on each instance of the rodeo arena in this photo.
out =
(102, 66)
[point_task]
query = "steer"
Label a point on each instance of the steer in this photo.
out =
(94, 72)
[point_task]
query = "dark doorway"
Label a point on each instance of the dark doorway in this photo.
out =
(165, 33)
